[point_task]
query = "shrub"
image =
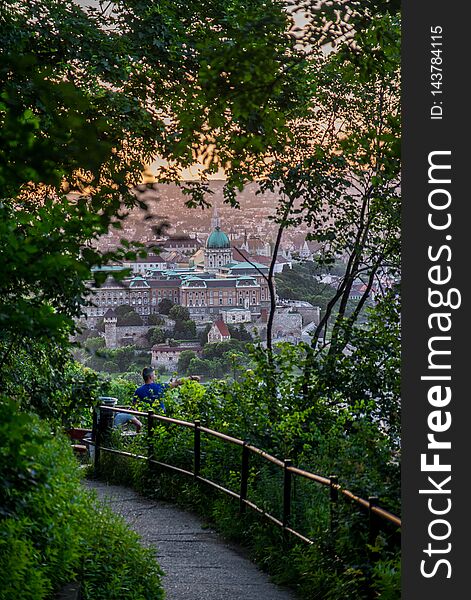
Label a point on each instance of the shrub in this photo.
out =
(52, 531)
(128, 318)
(122, 388)
(155, 320)
(179, 313)
(165, 306)
(156, 335)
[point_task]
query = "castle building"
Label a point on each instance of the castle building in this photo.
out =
(164, 289)
(139, 295)
(181, 243)
(215, 284)
(205, 297)
(141, 266)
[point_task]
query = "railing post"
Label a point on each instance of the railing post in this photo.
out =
(150, 439)
(106, 416)
(372, 535)
(373, 520)
(97, 440)
(286, 498)
(334, 496)
(104, 424)
(197, 449)
(244, 478)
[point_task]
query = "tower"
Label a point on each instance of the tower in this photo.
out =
(110, 320)
(215, 219)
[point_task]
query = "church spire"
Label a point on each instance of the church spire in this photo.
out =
(215, 220)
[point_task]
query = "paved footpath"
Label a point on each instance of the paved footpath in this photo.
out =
(198, 564)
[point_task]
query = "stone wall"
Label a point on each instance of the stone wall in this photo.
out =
(136, 332)
(309, 315)
(130, 335)
(287, 324)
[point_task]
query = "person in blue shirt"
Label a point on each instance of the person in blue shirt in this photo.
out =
(152, 391)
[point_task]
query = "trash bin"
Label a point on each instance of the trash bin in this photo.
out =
(106, 415)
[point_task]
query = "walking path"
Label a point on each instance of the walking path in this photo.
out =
(199, 565)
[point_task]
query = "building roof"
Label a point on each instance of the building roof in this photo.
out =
(164, 283)
(266, 260)
(174, 257)
(297, 303)
(246, 281)
(138, 282)
(254, 244)
(245, 266)
(191, 282)
(313, 246)
(241, 269)
(112, 283)
(110, 268)
(155, 258)
(166, 348)
(181, 241)
(218, 240)
(228, 282)
(222, 327)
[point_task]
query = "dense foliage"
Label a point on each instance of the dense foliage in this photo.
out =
(218, 360)
(124, 359)
(52, 531)
(88, 97)
(300, 283)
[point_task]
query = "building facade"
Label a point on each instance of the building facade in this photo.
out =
(167, 356)
(223, 285)
(236, 315)
(219, 332)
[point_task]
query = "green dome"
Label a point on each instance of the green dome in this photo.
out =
(218, 239)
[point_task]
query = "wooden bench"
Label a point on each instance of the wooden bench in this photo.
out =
(77, 435)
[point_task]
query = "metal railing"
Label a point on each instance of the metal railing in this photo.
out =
(376, 514)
